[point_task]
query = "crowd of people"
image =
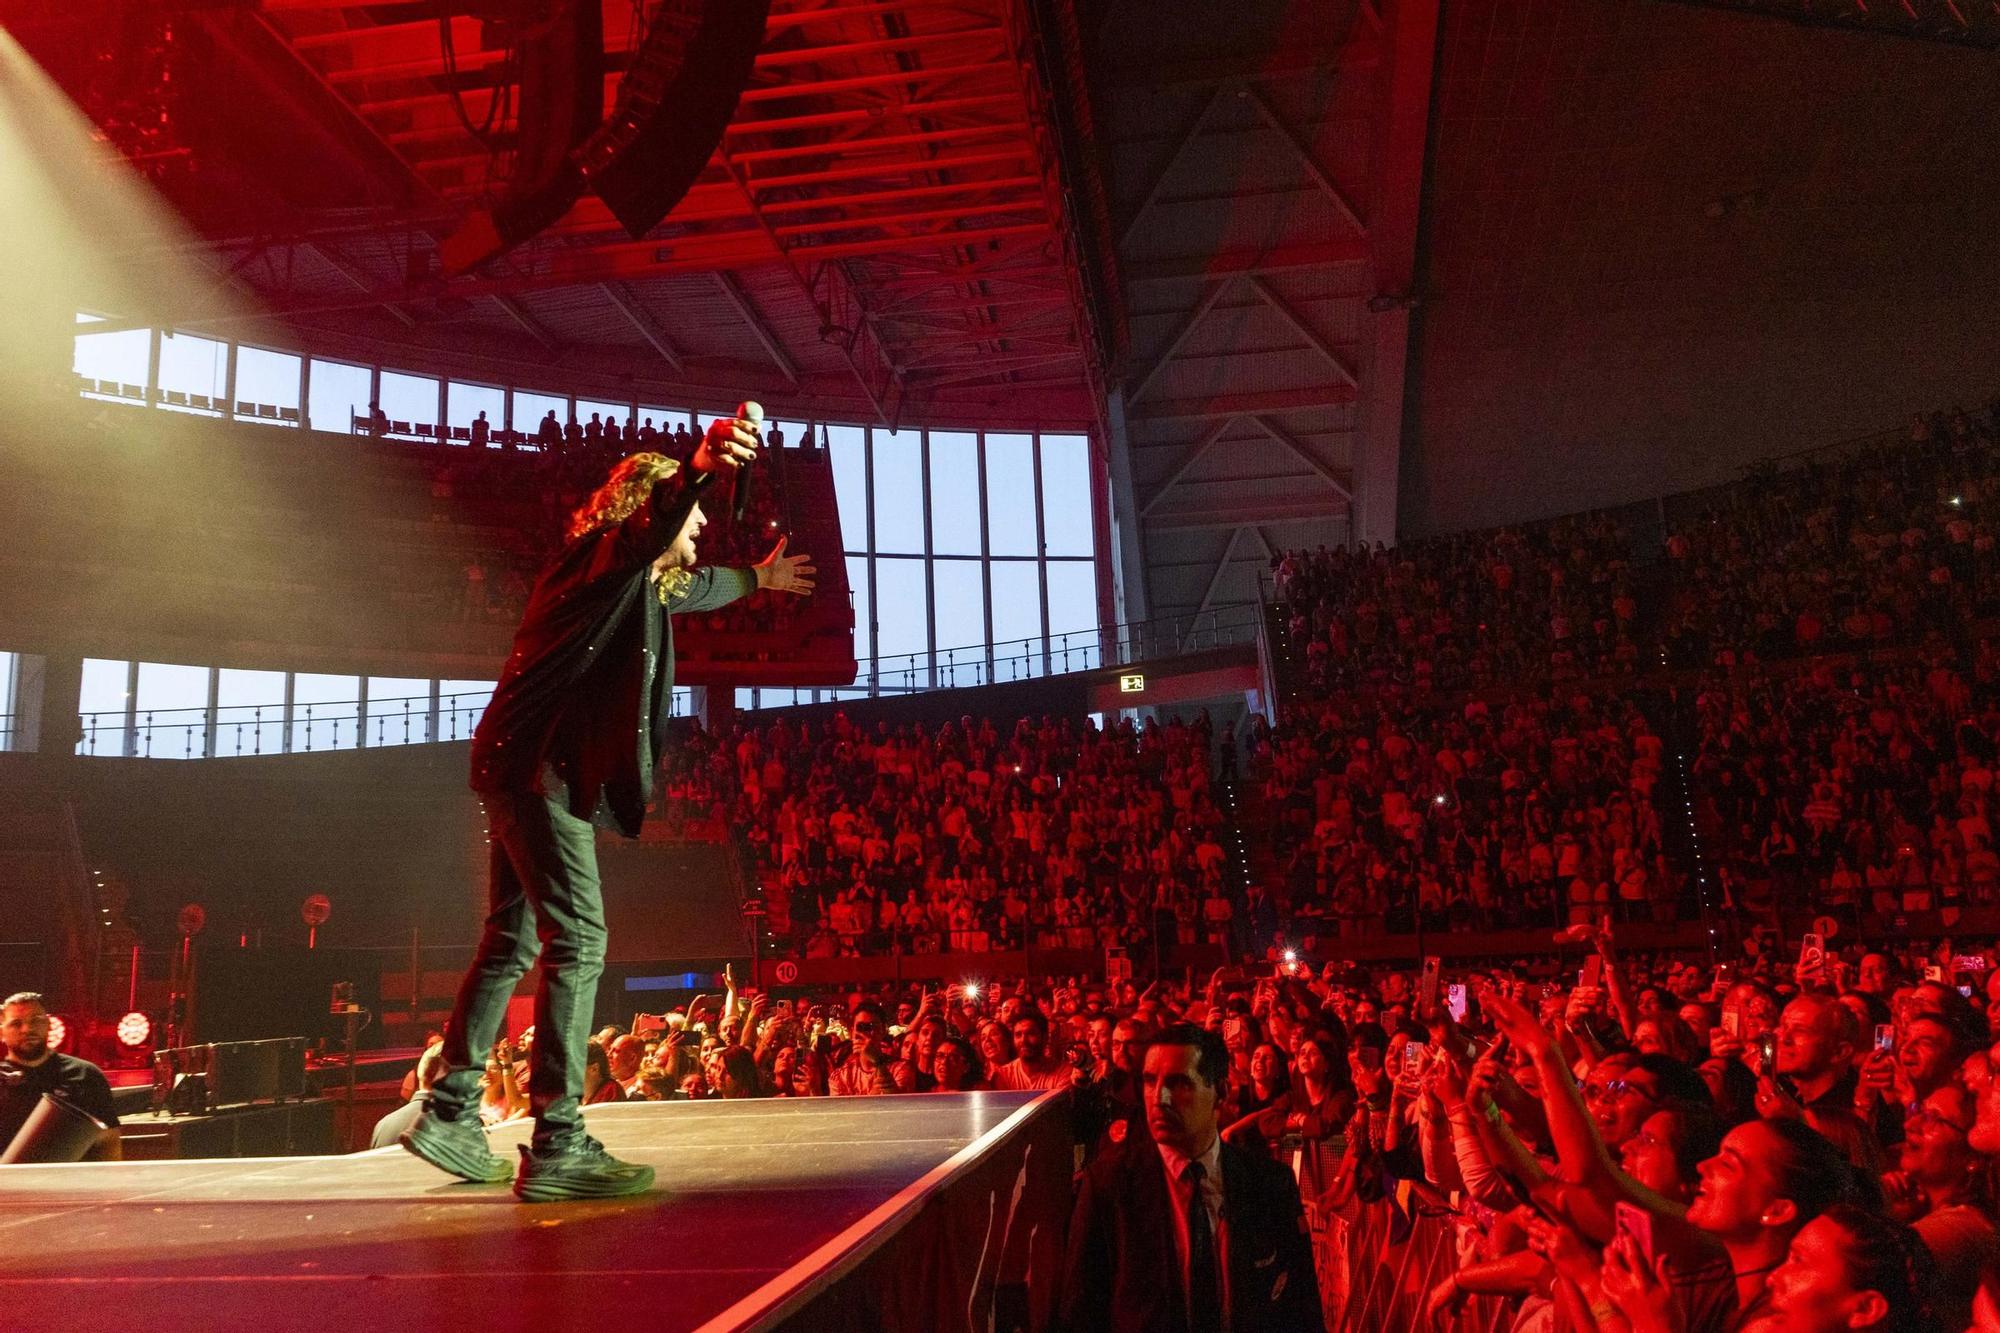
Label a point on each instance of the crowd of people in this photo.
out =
(1779, 1134)
(1477, 737)
(1884, 546)
(1792, 1140)
(1463, 612)
(1475, 726)
(962, 838)
(1854, 788)
(1478, 815)
(1879, 546)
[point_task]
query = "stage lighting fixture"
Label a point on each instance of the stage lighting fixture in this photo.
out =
(134, 1029)
(58, 1030)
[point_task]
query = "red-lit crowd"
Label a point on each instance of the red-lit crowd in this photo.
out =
(965, 837)
(1797, 1139)
(1785, 724)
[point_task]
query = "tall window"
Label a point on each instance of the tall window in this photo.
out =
(170, 713)
(410, 401)
(338, 393)
(606, 412)
(194, 373)
(461, 703)
(972, 557)
(663, 419)
(115, 359)
(399, 711)
(10, 701)
(249, 712)
(530, 408)
(326, 711)
(104, 705)
(464, 402)
(268, 379)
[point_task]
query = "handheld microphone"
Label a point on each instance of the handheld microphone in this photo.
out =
(753, 413)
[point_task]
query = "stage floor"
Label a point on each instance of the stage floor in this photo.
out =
(755, 1198)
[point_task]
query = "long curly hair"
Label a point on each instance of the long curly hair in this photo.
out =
(630, 485)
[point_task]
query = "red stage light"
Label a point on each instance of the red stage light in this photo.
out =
(134, 1029)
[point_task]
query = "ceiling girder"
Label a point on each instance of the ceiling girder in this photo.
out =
(740, 300)
(1249, 403)
(1209, 516)
(642, 320)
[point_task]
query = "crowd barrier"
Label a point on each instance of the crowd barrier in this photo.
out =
(1377, 1259)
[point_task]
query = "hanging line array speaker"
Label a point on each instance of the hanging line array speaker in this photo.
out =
(676, 98)
(560, 59)
(678, 92)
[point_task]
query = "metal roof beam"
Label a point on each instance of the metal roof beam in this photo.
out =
(1330, 253)
(777, 92)
(1159, 177)
(1305, 455)
(1312, 336)
(730, 288)
(1209, 516)
(339, 264)
(1212, 71)
(529, 324)
(1240, 404)
(1188, 458)
(1221, 568)
(1314, 172)
(644, 260)
(1181, 335)
(431, 64)
(642, 320)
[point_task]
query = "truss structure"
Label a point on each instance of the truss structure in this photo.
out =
(883, 222)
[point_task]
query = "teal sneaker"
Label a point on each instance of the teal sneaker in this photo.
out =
(580, 1170)
(457, 1146)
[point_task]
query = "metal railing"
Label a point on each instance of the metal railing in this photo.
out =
(1061, 654)
(236, 730)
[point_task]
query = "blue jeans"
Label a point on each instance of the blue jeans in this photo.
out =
(543, 897)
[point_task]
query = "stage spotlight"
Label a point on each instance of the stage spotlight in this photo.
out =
(58, 1030)
(134, 1029)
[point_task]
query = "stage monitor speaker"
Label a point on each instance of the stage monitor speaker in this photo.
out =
(190, 1080)
(677, 95)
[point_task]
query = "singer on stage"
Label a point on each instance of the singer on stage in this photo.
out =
(570, 741)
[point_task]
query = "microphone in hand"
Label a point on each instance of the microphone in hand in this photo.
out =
(752, 415)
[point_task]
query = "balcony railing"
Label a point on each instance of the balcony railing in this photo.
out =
(1061, 654)
(253, 729)
(234, 730)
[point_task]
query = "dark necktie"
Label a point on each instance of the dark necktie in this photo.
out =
(1204, 1278)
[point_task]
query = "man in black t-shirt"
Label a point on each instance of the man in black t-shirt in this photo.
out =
(33, 1068)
